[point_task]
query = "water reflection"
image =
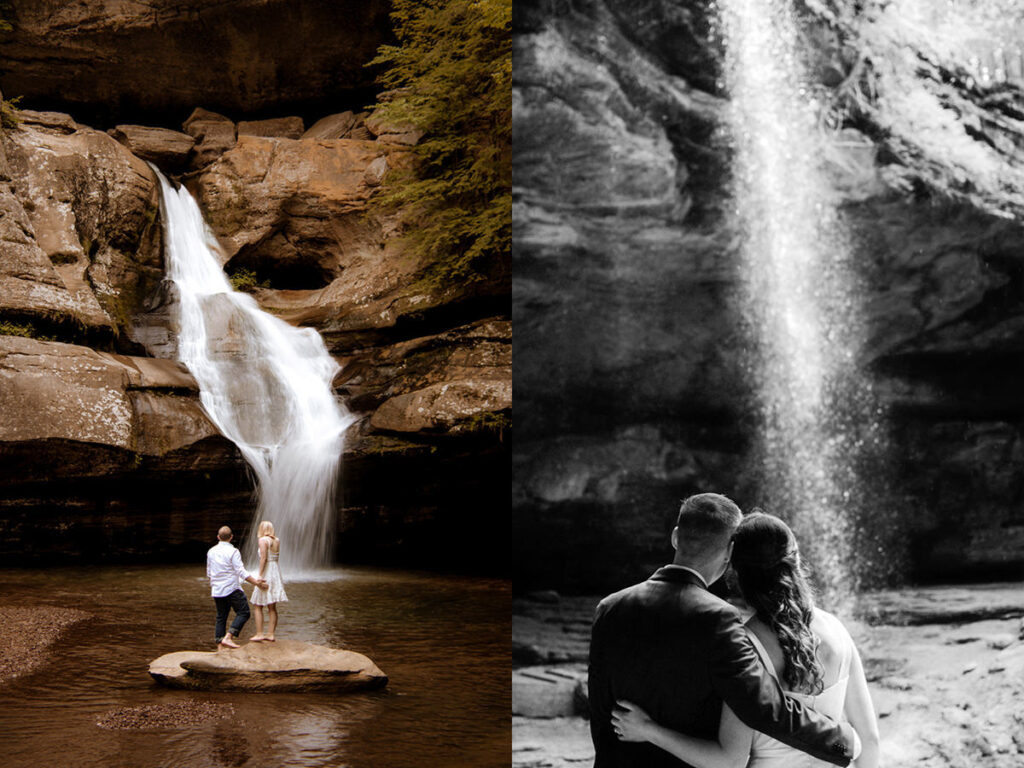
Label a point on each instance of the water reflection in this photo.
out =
(443, 641)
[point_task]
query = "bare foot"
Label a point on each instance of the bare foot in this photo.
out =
(227, 642)
(257, 639)
(269, 639)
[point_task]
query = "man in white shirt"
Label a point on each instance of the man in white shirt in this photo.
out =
(226, 574)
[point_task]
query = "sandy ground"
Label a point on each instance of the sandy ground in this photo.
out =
(945, 665)
(26, 635)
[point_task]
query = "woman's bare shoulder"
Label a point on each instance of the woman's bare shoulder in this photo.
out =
(828, 624)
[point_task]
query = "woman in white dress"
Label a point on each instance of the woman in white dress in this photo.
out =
(270, 551)
(807, 650)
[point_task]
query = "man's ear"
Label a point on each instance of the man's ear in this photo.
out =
(675, 537)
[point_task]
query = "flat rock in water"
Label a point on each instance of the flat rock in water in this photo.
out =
(285, 665)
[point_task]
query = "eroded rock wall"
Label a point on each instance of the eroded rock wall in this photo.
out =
(108, 454)
(111, 61)
(631, 362)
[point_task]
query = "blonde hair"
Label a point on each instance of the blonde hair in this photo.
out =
(266, 529)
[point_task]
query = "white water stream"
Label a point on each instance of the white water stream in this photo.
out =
(801, 297)
(265, 384)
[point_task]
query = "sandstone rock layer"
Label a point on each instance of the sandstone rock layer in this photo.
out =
(133, 61)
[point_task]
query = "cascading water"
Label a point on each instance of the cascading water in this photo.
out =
(266, 385)
(799, 296)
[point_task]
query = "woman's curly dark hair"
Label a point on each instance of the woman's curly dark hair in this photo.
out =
(774, 583)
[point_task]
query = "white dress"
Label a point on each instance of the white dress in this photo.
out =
(274, 593)
(766, 752)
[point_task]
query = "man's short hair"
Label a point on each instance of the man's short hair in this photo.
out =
(224, 533)
(707, 521)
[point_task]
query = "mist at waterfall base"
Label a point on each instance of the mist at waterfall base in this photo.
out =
(266, 386)
(819, 421)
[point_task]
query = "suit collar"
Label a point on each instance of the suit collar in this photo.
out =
(679, 574)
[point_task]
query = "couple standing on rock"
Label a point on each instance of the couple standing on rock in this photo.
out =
(226, 574)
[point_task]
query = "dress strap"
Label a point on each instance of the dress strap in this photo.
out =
(762, 652)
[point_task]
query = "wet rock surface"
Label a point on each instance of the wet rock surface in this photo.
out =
(283, 665)
(945, 685)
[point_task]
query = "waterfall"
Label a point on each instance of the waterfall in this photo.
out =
(266, 386)
(799, 296)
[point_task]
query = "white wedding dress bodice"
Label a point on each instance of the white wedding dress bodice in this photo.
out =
(766, 752)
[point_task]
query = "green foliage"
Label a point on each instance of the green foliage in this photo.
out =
(488, 421)
(245, 280)
(8, 328)
(9, 113)
(450, 76)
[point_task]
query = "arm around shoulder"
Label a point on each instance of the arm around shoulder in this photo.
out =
(742, 682)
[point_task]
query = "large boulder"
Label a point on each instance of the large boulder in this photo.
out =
(284, 665)
(62, 392)
(213, 134)
(343, 125)
(166, 148)
(83, 249)
(118, 62)
(84, 246)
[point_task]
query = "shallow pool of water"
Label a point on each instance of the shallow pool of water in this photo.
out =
(443, 641)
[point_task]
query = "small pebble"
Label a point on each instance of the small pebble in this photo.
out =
(179, 715)
(26, 635)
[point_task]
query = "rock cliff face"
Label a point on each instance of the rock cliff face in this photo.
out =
(109, 61)
(106, 453)
(631, 373)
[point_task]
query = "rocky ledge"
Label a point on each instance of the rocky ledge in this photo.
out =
(285, 665)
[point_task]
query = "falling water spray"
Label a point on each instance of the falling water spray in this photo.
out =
(799, 293)
(266, 386)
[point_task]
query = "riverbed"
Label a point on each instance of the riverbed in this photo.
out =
(442, 640)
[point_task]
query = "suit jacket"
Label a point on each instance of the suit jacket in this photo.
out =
(678, 651)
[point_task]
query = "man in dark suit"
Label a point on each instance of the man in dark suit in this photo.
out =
(679, 651)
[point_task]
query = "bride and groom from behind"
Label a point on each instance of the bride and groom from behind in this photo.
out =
(677, 678)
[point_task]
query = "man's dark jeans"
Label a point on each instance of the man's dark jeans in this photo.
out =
(237, 601)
